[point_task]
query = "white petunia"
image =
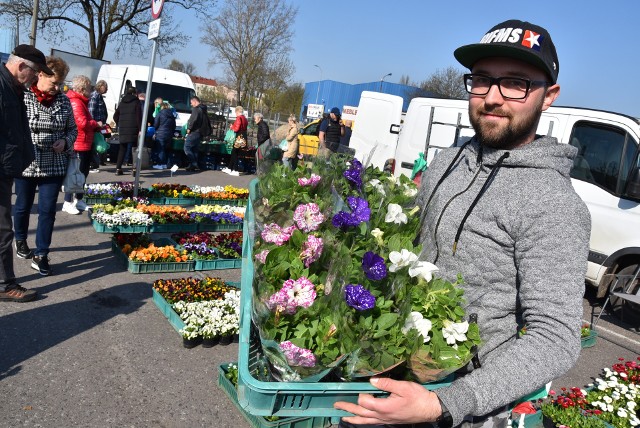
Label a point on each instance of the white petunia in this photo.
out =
(395, 215)
(401, 259)
(423, 270)
(378, 186)
(410, 191)
(378, 234)
(417, 321)
(454, 331)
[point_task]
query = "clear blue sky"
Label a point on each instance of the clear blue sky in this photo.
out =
(360, 41)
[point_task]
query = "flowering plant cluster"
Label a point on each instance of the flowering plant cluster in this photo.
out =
(203, 245)
(221, 192)
(153, 254)
(191, 289)
(101, 190)
(128, 241)
(172, 190)
(613, 398)
(122, 217)
(229, 245)
(224, 214)
(210, 318)
(338, 284)
(585, 330)
(183, 238)
(166, 214)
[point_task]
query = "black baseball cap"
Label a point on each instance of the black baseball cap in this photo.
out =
(514, 39)
(32, 54)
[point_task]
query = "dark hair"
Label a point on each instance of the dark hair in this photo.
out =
(132, 90)
(195, 97)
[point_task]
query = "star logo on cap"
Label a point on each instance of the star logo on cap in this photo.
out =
(532, 40)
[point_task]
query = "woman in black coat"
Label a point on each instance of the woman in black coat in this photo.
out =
(128, 117)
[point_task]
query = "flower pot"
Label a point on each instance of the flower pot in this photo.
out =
(589, 341)
(191, 343)
(225, 339)
(210, 342)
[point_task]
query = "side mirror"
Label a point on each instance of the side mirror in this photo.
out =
(301, 132)
(633, 186)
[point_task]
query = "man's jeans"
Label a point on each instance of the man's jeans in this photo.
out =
(48, 189)
(191, 144)
(7, 276)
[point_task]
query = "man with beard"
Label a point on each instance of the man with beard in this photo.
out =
(500, 211)
(16, 153)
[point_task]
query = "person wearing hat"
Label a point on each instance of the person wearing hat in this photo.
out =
(501, 212)
(331, 130)
(18, 74)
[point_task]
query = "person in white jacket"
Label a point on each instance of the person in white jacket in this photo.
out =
(500, 211)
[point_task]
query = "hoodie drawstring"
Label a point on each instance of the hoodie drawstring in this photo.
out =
(486, 184)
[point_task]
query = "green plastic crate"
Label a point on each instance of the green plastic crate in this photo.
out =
(173, 227)
(218, 227)
(92, 201)
(179, 201)
(167, 310)
(230, 202)
(589, 341)
(103, 228)
(259, 421)
(156, 200)
(218, 264)
(285, 398)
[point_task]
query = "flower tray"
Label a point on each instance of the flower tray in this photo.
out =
(173, 227)
(258, 421)
(264, 398)
(230, 202)
(219, 227)
(160, 267)
(167, 310)
(589, 341)
(218, 264)
(92, 201)
(179, 201)
(103, 228)
(156, 200)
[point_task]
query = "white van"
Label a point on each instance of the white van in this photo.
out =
(606, 172)
(173, 86)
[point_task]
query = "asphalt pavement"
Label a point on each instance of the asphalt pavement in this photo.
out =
(94, 351)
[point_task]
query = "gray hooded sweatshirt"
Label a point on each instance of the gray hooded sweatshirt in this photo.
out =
(522, 238)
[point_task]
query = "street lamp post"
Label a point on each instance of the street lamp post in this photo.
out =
(318, 90)
(381, 79)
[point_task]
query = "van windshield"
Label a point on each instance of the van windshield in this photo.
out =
(178, 96)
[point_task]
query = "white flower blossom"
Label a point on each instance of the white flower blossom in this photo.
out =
(378, 235)
(395, 215)
(423, 270)
(410, 191)
(401, 259)
(454, 332)
(417, 321)
(378, 186)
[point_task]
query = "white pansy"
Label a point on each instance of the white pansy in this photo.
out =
(607, 399)
(622, 413)
(395, 215)
(455, 331)
(410, 191)
(417, 321)
(401, 259)
(422, 270)
(378, 234)
(378, 186)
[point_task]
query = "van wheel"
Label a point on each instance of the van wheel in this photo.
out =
(623, 309)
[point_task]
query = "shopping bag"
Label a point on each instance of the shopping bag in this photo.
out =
(240, 142)
(230, 136)
(284, 145)
(100, 143)
(74, 179)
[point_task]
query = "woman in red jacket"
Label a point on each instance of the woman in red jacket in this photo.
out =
(240, 128)
(79, 97)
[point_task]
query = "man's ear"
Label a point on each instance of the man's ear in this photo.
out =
(550, 96)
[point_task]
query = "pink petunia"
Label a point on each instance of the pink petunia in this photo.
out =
(311, 181)
(277, 235)
(311, 250)
(262, 256)
(308, 217)
(298, 356)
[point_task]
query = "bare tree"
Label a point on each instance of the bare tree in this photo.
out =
(251, 38)
(184, 67)
(446, 83)
(123, 22)
(404, 80)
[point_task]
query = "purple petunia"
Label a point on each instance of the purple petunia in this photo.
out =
(354, 174)
(360, 212)
(359, 297)
(373, 266)
(297, 356)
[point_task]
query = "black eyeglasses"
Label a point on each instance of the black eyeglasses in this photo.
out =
(511, 88)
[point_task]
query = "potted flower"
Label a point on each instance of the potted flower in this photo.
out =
(588, 336)
(570, 408)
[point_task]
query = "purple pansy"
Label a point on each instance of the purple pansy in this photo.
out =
(373, 266)
(359, 297)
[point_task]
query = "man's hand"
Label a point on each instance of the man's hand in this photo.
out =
(408, 403)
